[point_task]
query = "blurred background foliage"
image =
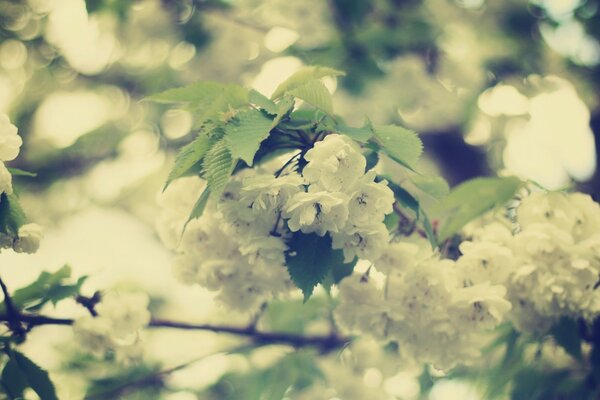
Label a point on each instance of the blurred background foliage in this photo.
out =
(492, 86)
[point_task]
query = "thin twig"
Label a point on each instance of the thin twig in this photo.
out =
(323, 342)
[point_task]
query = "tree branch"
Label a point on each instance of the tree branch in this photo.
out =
(325, 343)
(12, 313)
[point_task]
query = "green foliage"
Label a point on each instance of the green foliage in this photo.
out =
(292, 373)
(12, 216)
(284, 107)
(294, 315)
(244, 134)
(189, 156)
(472, 199)
(432, 185)
(400, 144)
(316, 94)
(118, 384)
(217, 168)
(407, 200)
(49, 287)
(20, 373)
(361, 135)
(207, 100)
(20, 172)
(262, 101)
(303, 76)
(199, 207)
(309, 259)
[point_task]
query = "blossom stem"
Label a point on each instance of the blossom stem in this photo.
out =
(325, 343)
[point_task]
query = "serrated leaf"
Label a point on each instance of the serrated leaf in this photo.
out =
(12, 216)
(316, 94)
(472, 199)
(206, 99)
(566, 334)
(217, 168)
(244, 134)
(400, 144)
(302, 76)
(361, 135)
(434, 186)
(284, 107)
(198, 208)
(262, 101)
(36, 377)
(188, 156)
(308, 260)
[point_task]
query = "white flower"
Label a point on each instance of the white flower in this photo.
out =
(482, 306)
(117, 326)
(10, 142)
(397, 256)
(126, 313)
(317, 212)
(28, 240)
(548, 208)
(484, 261)
(94, 334)
(366, 242)
(335, 163)
(370, 201)
(362, 307)
(5, 179)
(266, 192)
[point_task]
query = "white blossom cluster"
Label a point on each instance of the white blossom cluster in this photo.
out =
(425, 305)
(29, 235)
(342, 199)
(550, 266)
(10, 144)
(237, 247)
(117, 327)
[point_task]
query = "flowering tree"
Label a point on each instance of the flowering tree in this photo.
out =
(292, 216)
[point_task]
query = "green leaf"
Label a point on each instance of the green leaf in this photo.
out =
(407, 200)
(206, 99)
(48, 287)
(244, 134)
(309, 259)
(472, 199)
(262, 101)
(316, 94)
(36, 378)
(361, 135)
(217, 168)
(434, 186)
(12, 216)
(284, 107)
(292, 316)
(198, 208)
(566, 334)
(13, 382)
(202, 92)
(302, 76)
(187, 157)
(400, 144)
(20, 172)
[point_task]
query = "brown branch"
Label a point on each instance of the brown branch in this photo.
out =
(324, 343)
